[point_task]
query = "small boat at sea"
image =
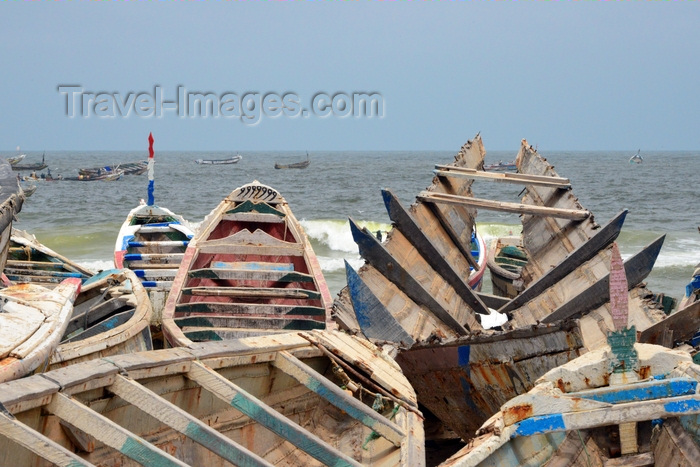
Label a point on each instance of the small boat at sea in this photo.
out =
(501, 166)
(32, 321)
(127, 168)
(229, 160)
(38, 166)
(250, 270)
(295, 165)
(624, 403)
(505, 261)
(307, 398)
(28, 190)
(637, 158)
(16, 159)
(106, 177)
(30, 261)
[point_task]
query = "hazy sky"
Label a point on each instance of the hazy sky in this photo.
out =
(578, 75)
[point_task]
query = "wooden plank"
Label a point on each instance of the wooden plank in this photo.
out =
(637, 268)
(683, 325)
(253, 217)
(580, 255)
(182, 422)
(492, 301)
(238, 249)
(249, 275)
(251, 292)
(407, 225)
(375, 321)
(168, 243)
(109, 433)
(454, 236)
(95, 313)
(153, 256)
(230, 393)
(310, 378)
(503, 206)
(243, 321)
(37, 443)
(376, 254)
(645, 459)
(205, 308)
(505, 177)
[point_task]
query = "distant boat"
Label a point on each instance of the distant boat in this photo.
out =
(636, 159)
(40, 166)
(129, 168)
(230, 160)
(109, 177)
(504, 166)
(295, 165)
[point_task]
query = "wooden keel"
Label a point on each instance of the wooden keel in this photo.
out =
(583, 253)
(374, 319)
(181, 421)
(407, 225)
(375, 253)
(267, 417)
(636, 269)
(109, 433)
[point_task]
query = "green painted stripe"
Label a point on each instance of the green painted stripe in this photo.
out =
(227, 451)
(145, 455)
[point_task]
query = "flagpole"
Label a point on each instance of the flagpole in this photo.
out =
(151, 163)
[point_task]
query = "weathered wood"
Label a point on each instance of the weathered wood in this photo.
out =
(260, 292)
(207, 308)
(636, 269)
(181, 421)
(95, 314)
(407, 225)
(109, 433)
(454, 236)
(230, 393)
(253, 217)
(250, 275)
(38, 443)
(682, 325)
(580, 255)
(517, 208)
(645, 459)
(377, 255)
(374, 319)
(492, 301)
(310, 378)
(522, 179)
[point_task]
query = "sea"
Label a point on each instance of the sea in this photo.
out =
(81, 219)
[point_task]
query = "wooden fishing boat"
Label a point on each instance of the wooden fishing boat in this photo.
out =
(307, 398)
(128, 168)
(16, 159)
(637, 158)
(505, 261)
(250, 270)
(295, 165)
(32, 321)
(38, 166)
(108, 177)
(229, 160)
(410, 290)
(30, 261)
(11, 201)
(625, 403)
(152, 242)
(692, 290)
(111, 316)
(501, 166)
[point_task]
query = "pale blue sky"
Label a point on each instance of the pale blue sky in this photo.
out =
(565, 75)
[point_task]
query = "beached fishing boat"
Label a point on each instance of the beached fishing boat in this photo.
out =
(295, 165)
(152, 242)
(307, 398)
(128, 168)
(16, 159)
(111, 316)
(32, 321)
(637, 158)
(692, 290)
(229, 160)
(30, 261)
(505, 261)
(625, 403)
(11, 201)
(501, 166)
(26, 167)
(250, 270)
(410, 290)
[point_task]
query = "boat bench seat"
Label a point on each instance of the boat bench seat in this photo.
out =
(162, 258)
(253, 217)
(147, 273)
(205, 334)
(157, 284)
(249, 292)
(157, 243)
(147, 265)
(156, 228)
(263, 309)
(250, 275)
